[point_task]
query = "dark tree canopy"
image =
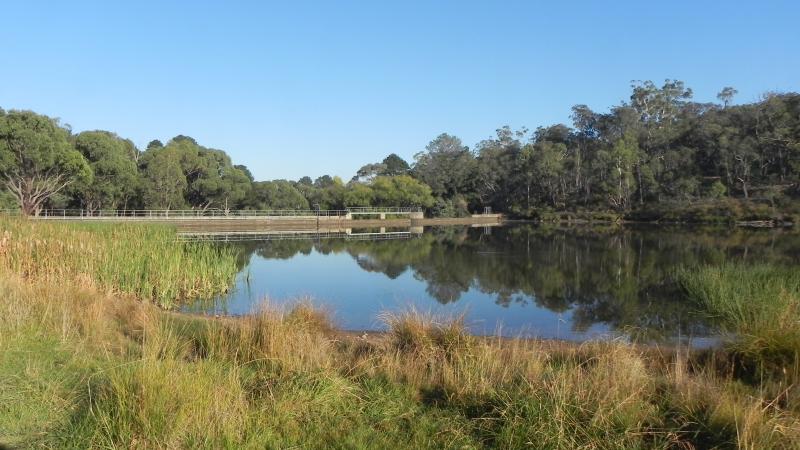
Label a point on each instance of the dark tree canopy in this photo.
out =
(394, 165)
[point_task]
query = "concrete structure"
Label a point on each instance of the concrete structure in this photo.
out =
(249, 220)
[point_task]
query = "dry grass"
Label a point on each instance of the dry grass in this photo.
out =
(85, 367)
(152, 379)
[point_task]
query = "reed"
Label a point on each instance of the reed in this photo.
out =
(758, 307)
(142, 260)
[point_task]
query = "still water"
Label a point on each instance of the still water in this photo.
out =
(518, 280)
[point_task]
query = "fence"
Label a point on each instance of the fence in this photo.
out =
(210, 213)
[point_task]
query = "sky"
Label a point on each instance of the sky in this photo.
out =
(298, 88)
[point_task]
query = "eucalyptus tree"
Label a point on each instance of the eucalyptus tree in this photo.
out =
(208, 178)
(585, 122)
(113, 163)
(497, 172)
(726, 95)
(619, 161)
(277, 194)
(447, 166)
(394, 165)
(37, 159)
(163, 181)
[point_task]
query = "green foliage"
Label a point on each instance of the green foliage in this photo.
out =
(37, 159)
(447, 166)
(717, 190)
(142, 260)
(395, 165)
(401, 190)
(8, 200)
(112, 161)
(656, 150)
(759, 306)
(454, 207)
(164, 183)
(620, 160)
(358, 194)
(724, 210)
(278, 194)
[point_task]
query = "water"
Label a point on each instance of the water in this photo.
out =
(519, 280)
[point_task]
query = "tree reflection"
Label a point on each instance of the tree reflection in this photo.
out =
(616, 276)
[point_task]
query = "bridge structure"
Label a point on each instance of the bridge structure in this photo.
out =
(381, 213)
(232, 221)
(248, 236)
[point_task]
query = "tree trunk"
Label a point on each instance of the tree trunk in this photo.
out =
(32, 192)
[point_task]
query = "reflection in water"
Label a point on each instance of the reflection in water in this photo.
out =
(570, 283)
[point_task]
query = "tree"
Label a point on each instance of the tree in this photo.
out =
(394, 165)
(209, 177)
(113, 165)
(358, 194)
(619, 162)
(164, 183)
(323, 182)
(213, 181)
(585, 122)
(278, 194)
(245, 171)
(447, 166)
(726, 95)
(37, 160)
(548, 167)
(401, 190)
(369, 171)
(496, 174)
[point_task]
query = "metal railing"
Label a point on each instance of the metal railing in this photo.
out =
(210, 213)
(256, 236)
(381, 209)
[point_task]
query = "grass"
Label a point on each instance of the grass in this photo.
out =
(84, 367)
(758, 308)
(142, 260)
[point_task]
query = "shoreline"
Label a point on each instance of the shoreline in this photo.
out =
(376, 337)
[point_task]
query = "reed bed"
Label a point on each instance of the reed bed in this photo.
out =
(758, 307)
(142, 260)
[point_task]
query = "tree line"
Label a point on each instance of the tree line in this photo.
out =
(657, 148)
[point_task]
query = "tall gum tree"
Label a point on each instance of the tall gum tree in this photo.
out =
(113, 163)
(37, 159)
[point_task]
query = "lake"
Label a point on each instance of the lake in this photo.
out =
(574, 283)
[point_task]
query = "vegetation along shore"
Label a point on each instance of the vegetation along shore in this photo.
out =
(657, 156)
(90, 358)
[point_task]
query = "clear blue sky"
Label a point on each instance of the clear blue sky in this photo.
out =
(298, 88)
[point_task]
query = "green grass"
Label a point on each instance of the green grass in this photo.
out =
(758, 306)
(143, 260)
(82, 366)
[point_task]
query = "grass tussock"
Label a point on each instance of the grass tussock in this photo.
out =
(131, 375)
(758, 306)
(86, 368)
(142, 260)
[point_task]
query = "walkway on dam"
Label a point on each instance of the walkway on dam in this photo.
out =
(215, 220)
(380, 213)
